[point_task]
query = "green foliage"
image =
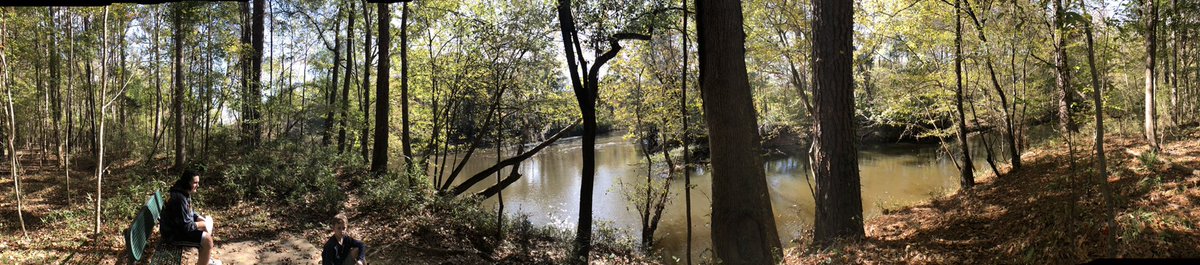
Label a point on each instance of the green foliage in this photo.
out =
(392, 194)
(128, 199)
(283, 172)
(1149, 159)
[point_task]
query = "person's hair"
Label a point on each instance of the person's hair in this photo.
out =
(184, 182)
(340, 220)
(188, 174)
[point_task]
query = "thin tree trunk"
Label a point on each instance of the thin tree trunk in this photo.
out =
(100, 136)
(687, 173)
(1015, 156)
(344, 111)
(1101, 167)
(1151, 113)
(404, 123)
(158, 95)
(365, 100)
(12, 121)
(1175, 65)
(331, 93)
(967, 170)
(69, 107)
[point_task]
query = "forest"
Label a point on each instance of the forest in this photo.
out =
(600, 132)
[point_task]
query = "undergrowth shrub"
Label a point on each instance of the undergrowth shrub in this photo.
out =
(286, 173)
(128, 199)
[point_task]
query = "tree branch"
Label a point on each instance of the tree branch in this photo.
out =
(466, 184)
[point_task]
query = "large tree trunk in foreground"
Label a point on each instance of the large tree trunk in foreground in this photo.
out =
(379, 157)
(743, 225)
(838, 198)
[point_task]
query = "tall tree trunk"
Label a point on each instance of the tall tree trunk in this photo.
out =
(1101, 167)
(684, 137)
(406, 138)
(380, 159)
(331, 92)
(743, 224)
(177, 98)
(1062, 78)
(587, 106)
(158, 96)
(585, 82)
(244, 59)
(839, 201)
(100, 137)
(344, 111)
(55, 84)
(12, 121)
(1175, 63)
(1151, 114)
(365, 100)
(967, 170)
(70, 109)
(252, 130)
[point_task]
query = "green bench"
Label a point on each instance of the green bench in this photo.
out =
(137, 236)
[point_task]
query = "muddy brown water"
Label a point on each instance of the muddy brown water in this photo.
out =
(892, 175)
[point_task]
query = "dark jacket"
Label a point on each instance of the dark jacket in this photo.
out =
(177, 216)
(335, 254)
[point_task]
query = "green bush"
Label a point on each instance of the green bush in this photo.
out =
(128, 199)
(392, 193)
(284, 172)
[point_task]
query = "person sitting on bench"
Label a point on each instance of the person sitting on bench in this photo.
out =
(182, 226)
(342, 249)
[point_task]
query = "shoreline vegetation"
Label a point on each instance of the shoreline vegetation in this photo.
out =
(1022, 217)
(978, 129)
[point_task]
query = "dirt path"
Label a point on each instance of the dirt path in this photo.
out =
(286, 248)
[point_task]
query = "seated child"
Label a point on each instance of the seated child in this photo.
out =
(342, 249)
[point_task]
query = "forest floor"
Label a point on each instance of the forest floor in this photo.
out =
(1044, 213)
(251, 232)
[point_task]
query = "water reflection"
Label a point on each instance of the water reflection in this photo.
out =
(892, 175)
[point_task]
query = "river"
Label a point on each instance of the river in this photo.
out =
(893, 175)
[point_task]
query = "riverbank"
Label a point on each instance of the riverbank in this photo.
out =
(1043, 213)
(274, 223)
(1021, 217)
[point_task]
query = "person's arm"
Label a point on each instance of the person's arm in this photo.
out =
(362, 249)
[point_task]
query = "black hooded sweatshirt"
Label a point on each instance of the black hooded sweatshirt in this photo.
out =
(177, 216)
